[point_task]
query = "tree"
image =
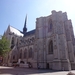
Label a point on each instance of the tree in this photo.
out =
(4, 46)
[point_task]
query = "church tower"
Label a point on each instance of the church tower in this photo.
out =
(54, 36)
(25, 29)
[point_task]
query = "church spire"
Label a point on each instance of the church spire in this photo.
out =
(25, 29)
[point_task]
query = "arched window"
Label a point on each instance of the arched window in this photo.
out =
(12, 42)
(25, 53)
(20, 56)
(30, 53)
(13, 57)
(17, 42)
(50, 25)
(50, 47)
(14, 54)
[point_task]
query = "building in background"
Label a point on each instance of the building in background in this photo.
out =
(50, 45)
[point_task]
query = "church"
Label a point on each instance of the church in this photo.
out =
(51, 45)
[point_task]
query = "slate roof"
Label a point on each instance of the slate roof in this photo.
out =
(29, 33)
(20, 33)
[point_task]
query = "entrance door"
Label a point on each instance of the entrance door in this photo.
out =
(47, 65)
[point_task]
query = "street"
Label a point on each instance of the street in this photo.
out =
(27, 71)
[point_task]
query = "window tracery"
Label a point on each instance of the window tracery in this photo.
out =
(50, 47)
(25, 53)
(30, 53)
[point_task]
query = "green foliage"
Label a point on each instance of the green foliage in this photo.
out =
(4, 46)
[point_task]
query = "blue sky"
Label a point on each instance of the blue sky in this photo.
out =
(13, 12)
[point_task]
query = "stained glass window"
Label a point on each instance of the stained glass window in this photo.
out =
(30, 53)
(20, 54)
(50, 47)
(25, 53)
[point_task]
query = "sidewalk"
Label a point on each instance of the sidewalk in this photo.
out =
(24, 71)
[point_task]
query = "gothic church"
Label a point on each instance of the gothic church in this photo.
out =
(50, 45)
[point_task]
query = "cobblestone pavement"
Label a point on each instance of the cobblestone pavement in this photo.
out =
(25, 71)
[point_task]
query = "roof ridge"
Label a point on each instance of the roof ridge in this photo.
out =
(15, 28)
(15, 31)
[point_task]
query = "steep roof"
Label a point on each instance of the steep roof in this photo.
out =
(20, 33)
(15, 31)
(29, 33)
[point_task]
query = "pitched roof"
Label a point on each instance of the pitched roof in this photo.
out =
(20, 33)
(29, 33)
(15, 31)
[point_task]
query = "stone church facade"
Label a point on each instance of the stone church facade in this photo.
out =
(51, 45)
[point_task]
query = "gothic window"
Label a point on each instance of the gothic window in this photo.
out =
(50, 25)
(13, 56)
(50, 47)
(17, 42)
(12, 42)
(20, 56)
(30, 53)
(33, 55)
(25, 53)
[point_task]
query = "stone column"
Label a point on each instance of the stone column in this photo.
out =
(70, 40)
(61, 59)
(56, 61)
(65, 63)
